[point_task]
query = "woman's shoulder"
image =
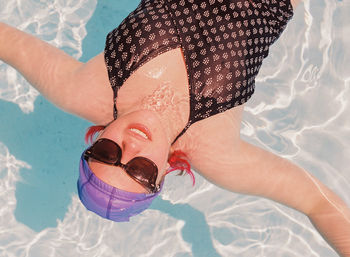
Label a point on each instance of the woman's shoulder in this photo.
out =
(212, 136)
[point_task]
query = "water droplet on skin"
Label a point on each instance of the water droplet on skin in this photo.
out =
(155, 73)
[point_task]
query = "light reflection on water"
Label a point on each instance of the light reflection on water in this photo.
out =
(300, 111)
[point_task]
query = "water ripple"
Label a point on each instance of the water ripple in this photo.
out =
(300, 110)
(59, 22)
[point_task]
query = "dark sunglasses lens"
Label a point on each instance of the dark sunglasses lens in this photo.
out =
(144, 171)
(105, 150)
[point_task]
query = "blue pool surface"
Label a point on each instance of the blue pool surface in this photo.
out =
(40, 213)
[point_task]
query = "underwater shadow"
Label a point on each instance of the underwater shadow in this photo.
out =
(195, 230)
(51, 142)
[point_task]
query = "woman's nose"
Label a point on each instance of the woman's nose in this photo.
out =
(130, 149)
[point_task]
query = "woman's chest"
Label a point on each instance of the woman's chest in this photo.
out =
(165, 70)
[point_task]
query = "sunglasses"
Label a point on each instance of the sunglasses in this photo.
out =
(142, 170)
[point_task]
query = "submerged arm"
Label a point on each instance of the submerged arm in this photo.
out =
(42, 64)
(283, 181)
(241, 167)
(79, 88)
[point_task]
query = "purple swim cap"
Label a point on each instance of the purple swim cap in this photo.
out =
(107, 201)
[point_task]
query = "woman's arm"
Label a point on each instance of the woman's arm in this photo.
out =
(295, 3)
(241, 167)
(81, 89)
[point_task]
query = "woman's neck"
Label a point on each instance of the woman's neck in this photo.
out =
(167, 101)
(170, 106)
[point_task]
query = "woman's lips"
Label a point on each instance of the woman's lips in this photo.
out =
(140, 130)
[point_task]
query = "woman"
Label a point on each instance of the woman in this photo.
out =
(157, 53)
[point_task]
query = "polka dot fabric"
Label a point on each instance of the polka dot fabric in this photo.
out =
(147, 32)
(224, 43)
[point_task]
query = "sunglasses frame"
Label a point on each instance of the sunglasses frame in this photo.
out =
(150, 187)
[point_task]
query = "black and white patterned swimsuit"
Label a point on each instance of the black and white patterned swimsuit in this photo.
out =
(223, 41)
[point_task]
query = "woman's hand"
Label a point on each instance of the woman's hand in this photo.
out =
(78, 88)
(332, 219)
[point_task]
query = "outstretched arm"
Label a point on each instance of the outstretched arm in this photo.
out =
(81, 89)
(295, 3)
(241, 167)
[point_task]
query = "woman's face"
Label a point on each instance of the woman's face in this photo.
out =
(138, 133)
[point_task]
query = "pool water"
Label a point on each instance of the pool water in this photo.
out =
(300, 111)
